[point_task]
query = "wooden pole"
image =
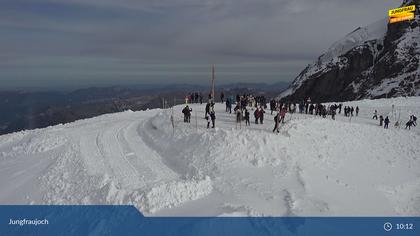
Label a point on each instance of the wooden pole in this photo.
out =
(212, 82)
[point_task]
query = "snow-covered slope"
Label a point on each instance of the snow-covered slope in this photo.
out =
(379, 60)
(314, 166)
(374, 31)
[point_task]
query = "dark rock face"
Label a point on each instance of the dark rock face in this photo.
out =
(383, 67)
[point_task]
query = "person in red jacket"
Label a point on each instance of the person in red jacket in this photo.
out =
(282, 115)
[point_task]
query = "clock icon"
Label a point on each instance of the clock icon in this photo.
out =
(387, 226)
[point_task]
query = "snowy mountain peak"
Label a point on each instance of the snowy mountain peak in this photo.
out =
(378, 60)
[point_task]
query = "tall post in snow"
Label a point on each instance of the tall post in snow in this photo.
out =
(212, 83)
(172, 119)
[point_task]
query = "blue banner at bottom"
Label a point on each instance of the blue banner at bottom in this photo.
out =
(127, 220)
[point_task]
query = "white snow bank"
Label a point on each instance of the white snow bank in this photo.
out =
(315, 166)
(175, 193)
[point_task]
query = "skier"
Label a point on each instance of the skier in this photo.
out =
(357, 111)
(375, 115)
(262, 115)
(381, 120)
(213, 118)
(351, 111)
(339, 108)
(247, 117)
(414, 118)
(386, 123)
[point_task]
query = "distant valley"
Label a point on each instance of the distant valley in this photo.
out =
(22, 110)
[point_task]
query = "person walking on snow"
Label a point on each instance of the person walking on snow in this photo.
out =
(375, 115)
(333, 113)
(409, 124)
(222, 96)
(213, 118)
(272, 105)
(262, 115)
(357, 110)
(386, 123)
(238, 114)
(207, 109)
(247, 117)
(381, 120)
(187, 114)
(257, 115)
(282, 115)
(276, 122)
(228, 105)
(208, 121)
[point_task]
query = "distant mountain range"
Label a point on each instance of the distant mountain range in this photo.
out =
(22, 110)
(376, 61)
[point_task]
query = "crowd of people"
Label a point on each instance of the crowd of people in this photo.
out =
(385, 121)
(258, 104)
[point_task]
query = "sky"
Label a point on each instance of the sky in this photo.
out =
(80, 43)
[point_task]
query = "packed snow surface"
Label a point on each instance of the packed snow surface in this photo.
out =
(313, 167)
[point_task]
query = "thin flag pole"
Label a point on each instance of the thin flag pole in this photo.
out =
(212, 82)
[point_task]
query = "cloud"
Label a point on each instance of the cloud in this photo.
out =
(118, 37)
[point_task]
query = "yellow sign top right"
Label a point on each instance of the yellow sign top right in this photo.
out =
(397, 12)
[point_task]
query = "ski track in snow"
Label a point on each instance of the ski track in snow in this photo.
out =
(314, 166)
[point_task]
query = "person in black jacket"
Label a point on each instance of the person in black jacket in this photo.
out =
(272, 105)
(208, 121)
(262, 115)
(276, 123)
(213, 118)
(409, 124)
(207, 109)
(247, 117)
(187, 114)
(386, 123)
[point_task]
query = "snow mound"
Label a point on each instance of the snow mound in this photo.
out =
(40, 143)
(175, 193)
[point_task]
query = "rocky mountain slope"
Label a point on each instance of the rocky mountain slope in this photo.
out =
(379, 60)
